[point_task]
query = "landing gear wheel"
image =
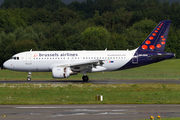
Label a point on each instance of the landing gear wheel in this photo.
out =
(29, 79)
(85, 78)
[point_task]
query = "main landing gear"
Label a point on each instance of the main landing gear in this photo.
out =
(85, 78)
(29, 77)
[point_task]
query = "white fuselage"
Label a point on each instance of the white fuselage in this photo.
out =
(44, 61)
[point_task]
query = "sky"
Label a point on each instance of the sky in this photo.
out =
(1, 1)
(69, 1)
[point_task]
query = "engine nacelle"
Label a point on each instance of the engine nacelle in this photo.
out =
(61, 72)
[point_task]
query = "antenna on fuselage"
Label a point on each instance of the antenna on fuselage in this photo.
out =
(106, 49)
(30, 50)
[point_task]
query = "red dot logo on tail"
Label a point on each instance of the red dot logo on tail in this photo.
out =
(158, 45)
(152, 47)
(163, 39)
(162, 43)
(151, 38)
(148, 42)
(144, 47)
(154, 34)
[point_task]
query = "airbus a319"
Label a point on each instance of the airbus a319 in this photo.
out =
(62, 64)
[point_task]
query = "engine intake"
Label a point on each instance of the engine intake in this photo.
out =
(61, 72)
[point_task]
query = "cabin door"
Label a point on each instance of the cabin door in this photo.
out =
(28, 58)
(135, 59)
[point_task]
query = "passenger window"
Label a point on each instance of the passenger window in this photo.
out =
(17, 58)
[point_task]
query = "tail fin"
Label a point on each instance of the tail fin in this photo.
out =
(156, 41)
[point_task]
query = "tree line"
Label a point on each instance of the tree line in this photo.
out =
(90, 25)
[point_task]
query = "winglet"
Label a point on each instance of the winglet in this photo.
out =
(156, 41)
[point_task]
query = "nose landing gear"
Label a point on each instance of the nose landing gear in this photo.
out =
(29, 77)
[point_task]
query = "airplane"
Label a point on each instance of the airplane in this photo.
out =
(62, 64)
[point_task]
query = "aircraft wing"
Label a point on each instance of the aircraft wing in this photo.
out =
(76, 64)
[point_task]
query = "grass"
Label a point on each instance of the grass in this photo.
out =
(85, 93)
(168, 69)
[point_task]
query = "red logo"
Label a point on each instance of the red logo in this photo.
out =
(35, 55)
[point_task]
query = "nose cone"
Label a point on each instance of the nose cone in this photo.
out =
(6, 65)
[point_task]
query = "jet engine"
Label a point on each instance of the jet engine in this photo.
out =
(61, 72)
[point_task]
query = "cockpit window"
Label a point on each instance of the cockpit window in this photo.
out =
(15, 58)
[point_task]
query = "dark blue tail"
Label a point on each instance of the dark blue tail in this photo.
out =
(156, 41)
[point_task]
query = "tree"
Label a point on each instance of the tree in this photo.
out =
(94, 38)
(10, 21)
(175, 17)
(40, 16)
(122, 16)
(63, 15)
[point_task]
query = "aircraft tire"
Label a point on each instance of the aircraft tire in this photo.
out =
(29, 79)
(85, 78)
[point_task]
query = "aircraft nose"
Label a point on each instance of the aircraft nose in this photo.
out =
(6, 65)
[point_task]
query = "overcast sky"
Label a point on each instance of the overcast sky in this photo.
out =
(65, 1)
(69, 1)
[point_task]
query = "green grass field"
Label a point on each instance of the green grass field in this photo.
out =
(85, 93)
(168, 69)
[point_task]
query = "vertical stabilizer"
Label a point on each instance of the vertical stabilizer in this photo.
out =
(156, 41)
